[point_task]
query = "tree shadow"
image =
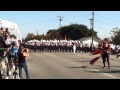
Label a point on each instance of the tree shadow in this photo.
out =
(73, 67)
(86, 58)
(105, 71)
(78, 67)
(114, 66)
(83, 61)
(114, 60)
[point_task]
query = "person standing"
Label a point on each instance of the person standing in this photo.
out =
(14, 53)
(106, 51)
(9, 57)
(74, 48)
(2, 39)
(22, 54)
(35, 47)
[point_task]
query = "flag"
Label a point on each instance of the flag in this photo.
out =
(94, 60)
(32, 36)
(37, 37)
(53, 37)
(65, 36)
(56, 37)
(43, 36)
(96, 51)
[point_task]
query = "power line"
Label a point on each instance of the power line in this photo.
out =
(80, 19)
(36, 22)
(48, 20)
(107, 22)
(83, 17)
(107, 18)
(77, 16)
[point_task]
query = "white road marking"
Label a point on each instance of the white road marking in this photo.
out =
(95, 70)
(106, 74)
(110, 75)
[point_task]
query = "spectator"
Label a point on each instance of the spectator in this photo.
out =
(22, 54)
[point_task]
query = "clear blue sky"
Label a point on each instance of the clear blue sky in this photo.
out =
(30, 21)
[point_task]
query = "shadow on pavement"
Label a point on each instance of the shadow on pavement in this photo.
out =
(114, 66)
(83, 61)
(105, 71)
(78, 67)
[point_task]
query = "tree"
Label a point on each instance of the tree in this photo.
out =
(30, 36)
(90, 33)
(76, 31)
(115, 35)
(51, 31)
(12, 36)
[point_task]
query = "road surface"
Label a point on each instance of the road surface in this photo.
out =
(69, 66)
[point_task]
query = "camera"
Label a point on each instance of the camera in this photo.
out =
(25, 50)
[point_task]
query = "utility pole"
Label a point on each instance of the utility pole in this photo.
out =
(92, 26)
(60, 19)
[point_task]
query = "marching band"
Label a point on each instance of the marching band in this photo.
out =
(59, 46)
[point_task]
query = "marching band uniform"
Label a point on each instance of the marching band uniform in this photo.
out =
(106, 51)
(74, 48)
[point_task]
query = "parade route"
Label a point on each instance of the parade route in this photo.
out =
(72, 49)
(69, 66)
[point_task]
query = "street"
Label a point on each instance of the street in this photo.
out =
(69, 66)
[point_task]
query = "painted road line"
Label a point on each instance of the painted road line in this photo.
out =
(110, 75)
(106, 74)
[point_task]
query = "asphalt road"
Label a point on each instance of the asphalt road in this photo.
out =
(70, 66)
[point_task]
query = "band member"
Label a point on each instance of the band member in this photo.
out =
(103, 50)
(106, 51)
(100, 45)
(35, 47)
(74, 48)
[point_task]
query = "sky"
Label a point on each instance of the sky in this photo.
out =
(42, 21)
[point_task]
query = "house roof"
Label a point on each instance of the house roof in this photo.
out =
(87, 38)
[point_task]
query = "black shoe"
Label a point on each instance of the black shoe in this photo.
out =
(103, 66)
(116, 56)
(15, 73)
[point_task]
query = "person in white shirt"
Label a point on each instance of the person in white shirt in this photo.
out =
(74, 48)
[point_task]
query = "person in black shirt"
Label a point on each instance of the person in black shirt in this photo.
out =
(22, 54)
(2, 39)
